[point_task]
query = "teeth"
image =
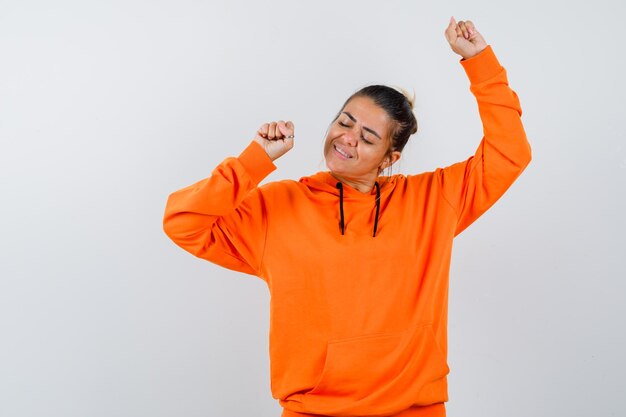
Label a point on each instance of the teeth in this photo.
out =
(342, 152)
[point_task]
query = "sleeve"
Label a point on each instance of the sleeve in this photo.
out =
(223, 218)
(471, 187)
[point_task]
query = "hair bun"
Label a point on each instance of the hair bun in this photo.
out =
(409, 99)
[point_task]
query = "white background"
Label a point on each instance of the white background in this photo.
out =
(106, 107)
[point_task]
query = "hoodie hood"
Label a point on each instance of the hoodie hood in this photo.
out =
(325, 182)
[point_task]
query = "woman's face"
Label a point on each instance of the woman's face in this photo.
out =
(358, 140)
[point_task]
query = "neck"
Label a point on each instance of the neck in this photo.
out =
(363, 184)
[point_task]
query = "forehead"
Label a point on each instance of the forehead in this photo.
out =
(368, 114)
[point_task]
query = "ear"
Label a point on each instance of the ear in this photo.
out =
(391, 159)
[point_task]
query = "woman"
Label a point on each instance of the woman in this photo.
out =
(357, 264)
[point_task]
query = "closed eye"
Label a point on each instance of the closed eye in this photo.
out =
(362, 137)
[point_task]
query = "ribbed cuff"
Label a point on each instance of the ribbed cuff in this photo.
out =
(256, 162)
(434, 410)
(482, 66)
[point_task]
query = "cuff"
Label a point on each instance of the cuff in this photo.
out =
(256, 162)
(482, 66)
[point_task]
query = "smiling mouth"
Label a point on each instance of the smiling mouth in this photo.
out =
(342, 153)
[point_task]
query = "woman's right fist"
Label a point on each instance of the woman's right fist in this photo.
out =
(276, 138)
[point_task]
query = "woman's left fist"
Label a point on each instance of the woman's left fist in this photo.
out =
(464, 39)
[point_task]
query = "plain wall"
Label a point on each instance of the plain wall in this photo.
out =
(106, 107)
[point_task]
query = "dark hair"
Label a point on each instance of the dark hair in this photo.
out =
(397, 105)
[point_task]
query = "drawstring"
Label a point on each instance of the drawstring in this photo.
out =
(341, 224)
(377, 206)
(341, 219)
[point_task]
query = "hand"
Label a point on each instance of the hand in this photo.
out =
(464, 39)
(276, 138)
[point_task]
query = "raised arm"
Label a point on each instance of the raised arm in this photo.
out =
(222, 218)
(472, 186)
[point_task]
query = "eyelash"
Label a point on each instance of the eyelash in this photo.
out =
(362, 137)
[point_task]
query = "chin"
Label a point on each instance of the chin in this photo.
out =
(334, 166)
(341, 171)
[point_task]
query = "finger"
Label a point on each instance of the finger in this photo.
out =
(271, 134)
(289, 134)
(463, 28)
(263, 130)
(459, 32)
(290, 128)
(450, 32)
(471, 29)
(280, 127)
(286, 129)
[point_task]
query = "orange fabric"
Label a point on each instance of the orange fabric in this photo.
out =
(435, 410)
(358, 324)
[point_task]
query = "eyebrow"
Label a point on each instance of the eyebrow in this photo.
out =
(364, 127)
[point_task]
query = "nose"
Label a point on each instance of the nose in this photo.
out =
(350, 139)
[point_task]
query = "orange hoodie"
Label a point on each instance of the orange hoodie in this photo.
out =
(358, 323)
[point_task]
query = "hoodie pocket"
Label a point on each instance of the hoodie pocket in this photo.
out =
(380, 373)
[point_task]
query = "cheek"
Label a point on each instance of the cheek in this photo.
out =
(326, 144)
(327, 141)
(376, 156)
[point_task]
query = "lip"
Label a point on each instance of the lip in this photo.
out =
(338, 151)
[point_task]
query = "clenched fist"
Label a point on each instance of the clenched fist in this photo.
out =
(464, 39)
(276, 138)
